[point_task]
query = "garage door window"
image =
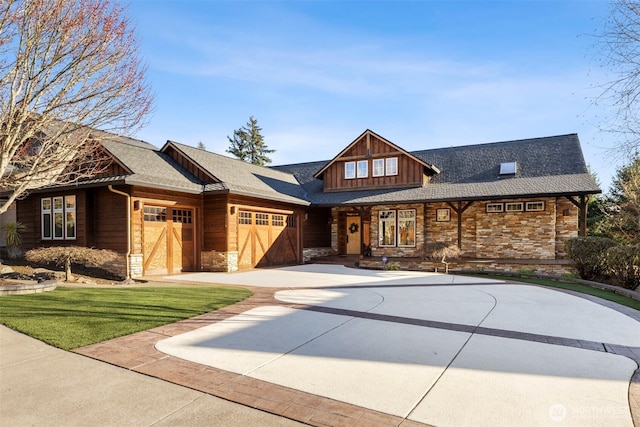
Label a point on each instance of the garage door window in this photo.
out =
(182, 215)
(155, 214)
(262, 219)
(245, 217)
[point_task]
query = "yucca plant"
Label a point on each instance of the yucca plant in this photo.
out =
(13, 238)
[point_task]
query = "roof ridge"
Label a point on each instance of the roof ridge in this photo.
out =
(497, 142)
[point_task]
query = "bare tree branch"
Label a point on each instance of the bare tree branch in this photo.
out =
(66, 67)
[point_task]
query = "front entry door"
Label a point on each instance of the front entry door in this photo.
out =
(354, 228)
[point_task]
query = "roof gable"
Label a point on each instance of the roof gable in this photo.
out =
(365, 138)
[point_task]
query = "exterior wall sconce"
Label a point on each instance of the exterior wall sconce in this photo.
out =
(566, 212)
(233, 210)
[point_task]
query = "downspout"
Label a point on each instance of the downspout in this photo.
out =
(122, 193)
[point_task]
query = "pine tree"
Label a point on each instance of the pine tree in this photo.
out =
(623, 204)
(248, 144)
(201, 146)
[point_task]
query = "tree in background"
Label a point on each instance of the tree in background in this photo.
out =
(622, 205)
(619, 44)
(66, 67)
(201, 146)
(248, 144)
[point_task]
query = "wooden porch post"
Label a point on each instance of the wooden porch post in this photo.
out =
(582, 213)
(459, 210)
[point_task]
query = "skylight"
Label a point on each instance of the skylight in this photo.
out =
(508, 168)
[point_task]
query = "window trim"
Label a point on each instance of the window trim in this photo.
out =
(48, 217)
(380, 226)
(373, 167)
(499, 207)
(366, 169)
(528, 207)
(517, 207)
(394, 169)
(349, 174)
(415, 227)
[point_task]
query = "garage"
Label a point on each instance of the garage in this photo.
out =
(168, 239)
(267, 238)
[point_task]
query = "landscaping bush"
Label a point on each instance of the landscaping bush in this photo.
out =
(440, 251)
(66, 255)
(623, 263)
(589, 255)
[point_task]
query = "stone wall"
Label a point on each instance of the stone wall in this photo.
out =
(502, 235)
(309, 253)
(416, 251)
(219, 261)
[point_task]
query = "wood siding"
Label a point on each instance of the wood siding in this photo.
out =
(317, 228)
(189, 165)
(410, 172)
(215, 223)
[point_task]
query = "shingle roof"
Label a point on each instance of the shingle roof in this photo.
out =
(239, 177)
(546, 166)
(149, 166)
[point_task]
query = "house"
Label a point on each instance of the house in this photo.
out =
(179, 208)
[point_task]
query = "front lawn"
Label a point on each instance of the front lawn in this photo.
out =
(74, 317)
(600, 293)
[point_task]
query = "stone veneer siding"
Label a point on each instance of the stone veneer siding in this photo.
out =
(219, 261)
(309, 253)
(505, 235)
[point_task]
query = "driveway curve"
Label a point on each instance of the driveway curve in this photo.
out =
(430, 348)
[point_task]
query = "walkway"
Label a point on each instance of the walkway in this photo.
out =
(399, 348)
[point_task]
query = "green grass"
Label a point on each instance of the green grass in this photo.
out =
(70, 318)
(600, 293)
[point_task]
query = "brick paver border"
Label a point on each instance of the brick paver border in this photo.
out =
(137, 352)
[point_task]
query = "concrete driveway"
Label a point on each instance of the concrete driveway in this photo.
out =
(430, 348)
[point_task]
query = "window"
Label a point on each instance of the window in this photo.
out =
(407, 227)
(363, 168)
(508, 168)
(58, 218)
(391, 166)
(495, 207)
(70, 213)
(378, 167)
(277, 220)
(155, 214)
(244, 218)
(513, 207)
(291, 221)
(349, 170)
(46, 218)
(387, 228)
(535, 206)
(262, 219)
(184, 216)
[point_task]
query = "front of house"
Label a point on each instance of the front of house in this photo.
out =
(184, 209)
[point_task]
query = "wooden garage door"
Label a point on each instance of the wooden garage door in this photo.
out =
(266, 239)
(169, 244)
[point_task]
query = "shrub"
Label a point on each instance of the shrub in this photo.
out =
(13, 238)
(392, 266)
(623, 263)
(440, 251)
(589, 255)
(66, 255)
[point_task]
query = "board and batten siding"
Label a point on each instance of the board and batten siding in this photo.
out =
(410, 172)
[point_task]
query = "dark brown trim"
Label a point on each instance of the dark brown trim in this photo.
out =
(582, 212)
(459, 210)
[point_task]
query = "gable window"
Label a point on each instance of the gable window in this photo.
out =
(363, 168)
(387, 228)
(391, 164)
(407, 227)
(349, 170)
(58, 218)
(377, 167)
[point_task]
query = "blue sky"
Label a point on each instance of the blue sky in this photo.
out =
(423, 74)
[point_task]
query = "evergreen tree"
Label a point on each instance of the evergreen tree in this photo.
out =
(622, 207)
(248, 144)
(201, 146)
